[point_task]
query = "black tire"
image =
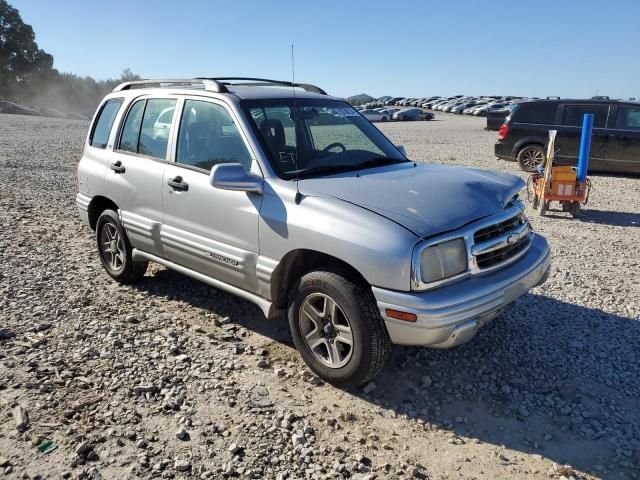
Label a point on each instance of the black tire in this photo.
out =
(574, 209)
(530, 157)
(371, 345)
(119, 265)
(536, 202)
(544, 206)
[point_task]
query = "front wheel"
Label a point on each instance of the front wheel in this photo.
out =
(116, 251)
(337, 328)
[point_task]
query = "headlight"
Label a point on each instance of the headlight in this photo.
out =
(443, 260)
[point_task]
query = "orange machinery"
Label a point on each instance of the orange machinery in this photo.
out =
(559, 185)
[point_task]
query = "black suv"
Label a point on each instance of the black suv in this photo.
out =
(615, 144)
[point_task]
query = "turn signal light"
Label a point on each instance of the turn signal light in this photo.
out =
(398, 315)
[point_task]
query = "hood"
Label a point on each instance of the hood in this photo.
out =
(426, 199)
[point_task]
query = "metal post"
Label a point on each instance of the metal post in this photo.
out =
(585, 147)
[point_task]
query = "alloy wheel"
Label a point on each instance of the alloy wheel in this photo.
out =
(326, 330)
(532, 158)
(111, 247)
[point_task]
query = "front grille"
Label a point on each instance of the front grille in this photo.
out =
(498, 229)
(501, 242)
(496, 257)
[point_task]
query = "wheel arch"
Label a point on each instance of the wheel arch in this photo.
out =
(525, 142)
(98, 205)
(298, 262)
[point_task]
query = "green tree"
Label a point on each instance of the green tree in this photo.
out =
(20, 56)
(27, 74)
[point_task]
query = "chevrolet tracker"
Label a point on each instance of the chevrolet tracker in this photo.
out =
(291, 199)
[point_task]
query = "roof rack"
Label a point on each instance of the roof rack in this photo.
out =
(209, 84)
(264, 82)
(217, 84)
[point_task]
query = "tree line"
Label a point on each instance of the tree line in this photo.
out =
(27, 74)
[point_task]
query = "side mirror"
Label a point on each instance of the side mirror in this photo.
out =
(402, 150)
(233, 176)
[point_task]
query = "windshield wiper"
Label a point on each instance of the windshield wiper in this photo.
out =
(324, 169)
(379, 161)
(372, 162)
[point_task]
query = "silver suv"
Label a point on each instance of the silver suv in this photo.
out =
(291, 199)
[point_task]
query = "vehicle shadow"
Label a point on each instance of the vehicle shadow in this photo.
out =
(548, 377)
(169, 284)
(617, 219)
(601, 217)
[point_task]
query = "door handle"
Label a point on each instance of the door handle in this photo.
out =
(118, 167)
(178, 184)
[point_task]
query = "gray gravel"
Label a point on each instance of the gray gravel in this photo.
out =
(173, 379)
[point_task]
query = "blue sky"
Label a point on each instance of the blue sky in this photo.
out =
(537, 48)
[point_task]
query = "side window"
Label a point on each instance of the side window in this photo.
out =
(628, 118)
(154, 135)
(573, 115)
(146, 129)
(131, 129)
(208, 136)
(102, 127)
(536, 113)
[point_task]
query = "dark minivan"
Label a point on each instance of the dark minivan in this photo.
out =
(615, 143)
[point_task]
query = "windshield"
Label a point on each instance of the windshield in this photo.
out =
(321, 137)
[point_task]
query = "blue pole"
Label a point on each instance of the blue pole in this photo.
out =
(585, 147)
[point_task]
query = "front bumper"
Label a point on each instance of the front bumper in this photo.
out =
(451, 315)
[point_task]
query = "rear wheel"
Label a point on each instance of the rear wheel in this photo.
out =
(115, 250)
(544, 206)
(536, 202)
(574, 209)
(531, 157)
(337, 328)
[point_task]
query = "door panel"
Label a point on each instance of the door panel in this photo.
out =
(570, 132)
(623, 154)
(209, 230)
(138, 192)
(134, 176)
(206, 229)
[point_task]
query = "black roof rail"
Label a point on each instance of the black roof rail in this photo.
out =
(264, 82)
(209, 84)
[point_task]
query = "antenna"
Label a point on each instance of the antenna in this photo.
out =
(298, 196)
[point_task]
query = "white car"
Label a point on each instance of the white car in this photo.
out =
(374, 115)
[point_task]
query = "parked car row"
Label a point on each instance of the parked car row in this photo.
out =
(17, 109)
(382, 114)
(460, 104)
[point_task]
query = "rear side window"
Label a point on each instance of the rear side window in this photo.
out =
(628, 118)
(537, 113)
(573, 115)
(154, 135)
(146, 129)
(102, 127)
(131, 129)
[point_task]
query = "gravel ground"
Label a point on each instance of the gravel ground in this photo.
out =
(173, 379)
